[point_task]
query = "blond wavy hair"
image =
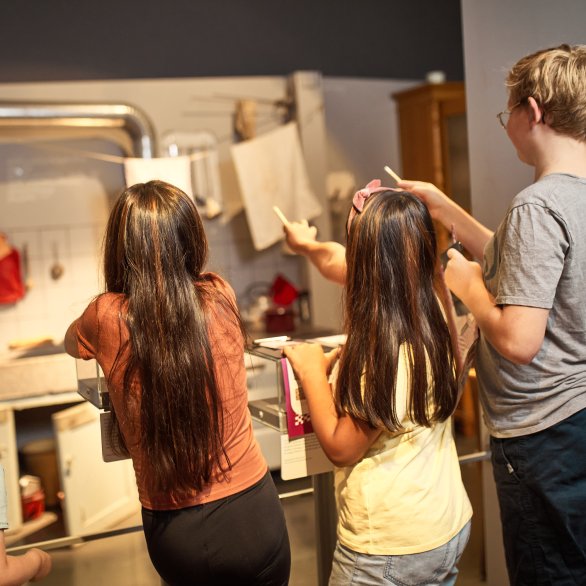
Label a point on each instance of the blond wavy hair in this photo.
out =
(556, 78)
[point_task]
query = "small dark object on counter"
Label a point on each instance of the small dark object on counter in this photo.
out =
(279, 319)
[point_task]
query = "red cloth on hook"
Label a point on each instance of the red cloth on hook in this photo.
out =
(11, 285)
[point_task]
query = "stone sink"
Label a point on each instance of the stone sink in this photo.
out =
(38, 371)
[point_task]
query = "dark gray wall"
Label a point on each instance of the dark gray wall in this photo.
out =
(43, 40)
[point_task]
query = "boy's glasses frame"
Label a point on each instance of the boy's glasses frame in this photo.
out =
(503, 117)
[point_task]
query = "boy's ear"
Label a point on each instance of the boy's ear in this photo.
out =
(536, 115)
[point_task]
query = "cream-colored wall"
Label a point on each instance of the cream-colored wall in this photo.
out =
(362, 135)
(362, 126)
(496, 34)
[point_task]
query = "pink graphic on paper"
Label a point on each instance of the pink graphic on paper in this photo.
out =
(298, 420)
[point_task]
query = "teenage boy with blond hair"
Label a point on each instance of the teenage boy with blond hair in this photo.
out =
(528, 299)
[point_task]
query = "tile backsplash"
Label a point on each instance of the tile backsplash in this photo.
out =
(62, 219)
(50, 304)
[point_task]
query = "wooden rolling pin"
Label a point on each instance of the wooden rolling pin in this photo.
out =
(28, 343)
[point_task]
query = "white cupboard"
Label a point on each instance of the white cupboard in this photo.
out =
(97, 494)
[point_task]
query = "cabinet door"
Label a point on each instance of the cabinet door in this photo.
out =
(9, 459)
(97, 494)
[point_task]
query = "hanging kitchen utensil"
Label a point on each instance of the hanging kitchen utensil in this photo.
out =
(28, 282)
(57, 269)
(11, 285)
(202, 149)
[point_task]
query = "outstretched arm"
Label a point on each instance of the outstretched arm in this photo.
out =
(344, 439)
(469, 231)
(34, 565)
(328, 257)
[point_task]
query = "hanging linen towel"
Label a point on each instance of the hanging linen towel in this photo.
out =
(173, 170)
(271, 172)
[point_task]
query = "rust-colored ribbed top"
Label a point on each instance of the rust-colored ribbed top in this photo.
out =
(101, 331)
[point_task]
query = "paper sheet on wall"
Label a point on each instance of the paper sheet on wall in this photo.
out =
(173, 170)
(302, 457)
(271, 172)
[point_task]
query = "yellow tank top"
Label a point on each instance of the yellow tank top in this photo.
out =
(406, 495)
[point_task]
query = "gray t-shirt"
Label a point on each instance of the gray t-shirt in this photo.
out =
(537, 258)
(3, 503)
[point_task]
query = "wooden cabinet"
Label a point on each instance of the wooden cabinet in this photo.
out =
(434, 148)
(434, 143)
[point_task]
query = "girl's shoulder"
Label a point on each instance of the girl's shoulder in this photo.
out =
(216, 284)
(107, 305)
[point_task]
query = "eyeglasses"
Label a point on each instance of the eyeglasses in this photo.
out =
(503, 117)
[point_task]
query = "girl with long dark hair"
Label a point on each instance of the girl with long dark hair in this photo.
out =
(169, 339)
(404, 516)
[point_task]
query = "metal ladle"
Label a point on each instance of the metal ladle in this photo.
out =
(57, 269)
(28, 282)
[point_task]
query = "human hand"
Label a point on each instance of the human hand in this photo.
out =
(428, 193)
(461, 275)
(331, 358)
(308, 360)
(45, 564)
(299, 235)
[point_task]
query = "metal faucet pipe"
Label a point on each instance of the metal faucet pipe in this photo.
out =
(134, 122)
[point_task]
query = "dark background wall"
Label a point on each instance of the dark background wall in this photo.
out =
(43, 40)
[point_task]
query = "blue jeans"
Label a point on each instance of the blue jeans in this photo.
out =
(430, 568)
(541, 485)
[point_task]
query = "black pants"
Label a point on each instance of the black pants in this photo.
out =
(541, 485)
(241, 539)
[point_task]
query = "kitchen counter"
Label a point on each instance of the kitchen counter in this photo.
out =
(42, 371)
(301, 332)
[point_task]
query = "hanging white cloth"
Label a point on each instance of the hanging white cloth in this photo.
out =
(271, 172)
(174, 170)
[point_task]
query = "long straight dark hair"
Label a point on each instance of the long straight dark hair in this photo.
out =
(391, 307)
(155, 252)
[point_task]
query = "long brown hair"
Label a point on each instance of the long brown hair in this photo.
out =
(391, 307)
(155, 252)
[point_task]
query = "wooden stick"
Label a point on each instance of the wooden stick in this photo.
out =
(392, 174)
(281, 216)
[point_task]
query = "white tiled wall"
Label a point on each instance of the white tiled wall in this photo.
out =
(60, 212)
(50, 304)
